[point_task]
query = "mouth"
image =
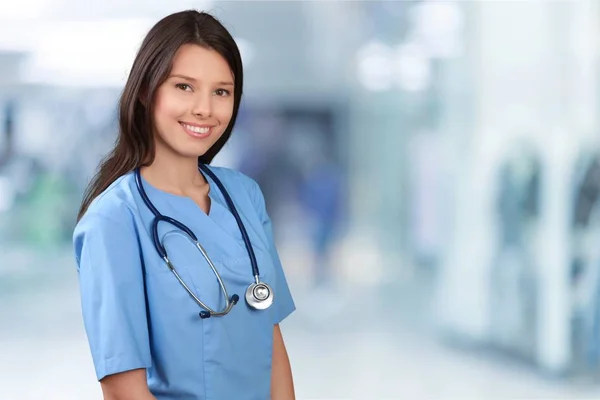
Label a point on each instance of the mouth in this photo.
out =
(197, 131)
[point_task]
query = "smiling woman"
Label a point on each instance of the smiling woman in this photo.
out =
(198, 97)
(159, 325)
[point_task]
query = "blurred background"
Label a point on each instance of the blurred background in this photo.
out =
(432, 170)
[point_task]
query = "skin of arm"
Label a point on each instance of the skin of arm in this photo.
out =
(129, 385)
(282, 383)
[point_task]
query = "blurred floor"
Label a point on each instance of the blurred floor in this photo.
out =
(371, 345)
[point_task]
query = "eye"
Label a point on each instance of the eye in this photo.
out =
(222, 92)
(184, 86)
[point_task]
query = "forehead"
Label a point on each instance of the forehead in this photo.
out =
(201, 64)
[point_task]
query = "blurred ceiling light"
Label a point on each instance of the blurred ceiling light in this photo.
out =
(380, 67)
(24, 9)
(52, 10)
(412, 67)
(438, 17)
(438, 25)
(86, 53)
(375, 66)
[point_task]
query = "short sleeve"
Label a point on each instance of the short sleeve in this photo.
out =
(283, 303)
(112, 294)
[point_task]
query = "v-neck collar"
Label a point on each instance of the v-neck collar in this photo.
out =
(219, 215)
(149, 188)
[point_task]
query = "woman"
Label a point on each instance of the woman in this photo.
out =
(161, 323)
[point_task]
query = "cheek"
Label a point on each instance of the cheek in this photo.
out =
(167, 109)
(224, 113)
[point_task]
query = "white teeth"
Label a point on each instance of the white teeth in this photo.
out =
(196, 129)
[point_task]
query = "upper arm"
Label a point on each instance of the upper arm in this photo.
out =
(283, 304)
(126, 385)
(112, 292)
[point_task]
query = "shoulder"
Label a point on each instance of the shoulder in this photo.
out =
(236, 180)
(114, 206)
(233, 176)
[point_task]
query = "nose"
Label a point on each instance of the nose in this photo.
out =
(202, 106)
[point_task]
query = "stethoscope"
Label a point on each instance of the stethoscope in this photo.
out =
(259, 295)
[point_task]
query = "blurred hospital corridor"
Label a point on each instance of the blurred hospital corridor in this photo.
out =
(356, 342)
(431, 170)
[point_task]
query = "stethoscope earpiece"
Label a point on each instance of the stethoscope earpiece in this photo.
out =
(233, 301)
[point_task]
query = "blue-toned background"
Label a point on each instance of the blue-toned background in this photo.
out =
(432, 170)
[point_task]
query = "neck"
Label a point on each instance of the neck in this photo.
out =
(176, 174)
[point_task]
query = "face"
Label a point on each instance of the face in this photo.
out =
(194, 105)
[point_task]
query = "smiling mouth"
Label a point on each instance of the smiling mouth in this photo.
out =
(196, 131)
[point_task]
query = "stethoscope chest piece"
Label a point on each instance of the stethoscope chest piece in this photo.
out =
(259, 296)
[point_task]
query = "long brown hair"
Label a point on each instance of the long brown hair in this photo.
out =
(134, 146)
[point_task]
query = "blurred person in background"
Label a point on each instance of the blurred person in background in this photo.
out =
(174, 331)
(321, 196)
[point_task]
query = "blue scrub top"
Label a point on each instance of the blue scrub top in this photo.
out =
(137, 315)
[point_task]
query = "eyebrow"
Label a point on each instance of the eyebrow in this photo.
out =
(189, 78)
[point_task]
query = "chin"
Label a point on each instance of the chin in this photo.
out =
(192, 153)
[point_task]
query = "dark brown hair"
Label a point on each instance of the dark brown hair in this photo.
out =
(134, 146)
